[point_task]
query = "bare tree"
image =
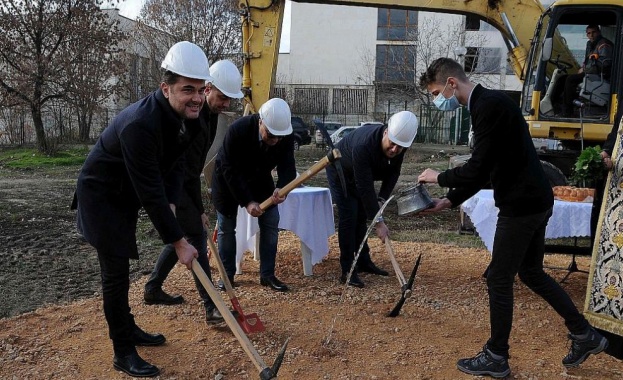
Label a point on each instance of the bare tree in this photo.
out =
(434, 39)
(93, 70)
(44, 44)
(214, 25)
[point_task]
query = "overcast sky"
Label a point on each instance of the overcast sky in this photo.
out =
(127, 8)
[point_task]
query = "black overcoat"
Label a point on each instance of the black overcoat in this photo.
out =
(125, 171)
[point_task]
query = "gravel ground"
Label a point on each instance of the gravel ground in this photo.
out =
(52, 325)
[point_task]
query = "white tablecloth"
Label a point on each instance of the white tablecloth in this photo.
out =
(308, 212)
(569, 219)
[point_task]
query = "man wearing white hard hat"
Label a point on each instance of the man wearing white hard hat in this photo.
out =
(253, 146)
(369, 153)
(224, 86)
(126, 170)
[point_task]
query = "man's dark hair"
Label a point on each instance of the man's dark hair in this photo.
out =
(170, 78)
(440, 70)
(594, 26)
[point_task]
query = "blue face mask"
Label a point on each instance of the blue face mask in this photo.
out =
(444, 104)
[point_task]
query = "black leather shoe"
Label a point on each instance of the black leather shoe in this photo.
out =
(221, 286)
(354, 280)
(371, 268)
(213, 316)
(274, 283)
(141, 338)
(159, 297)
(135, 366)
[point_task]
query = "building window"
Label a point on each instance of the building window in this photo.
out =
(350, 101)
(482, 60)
(472, 23)
(395, 63)
(311, 100)
(396, 25)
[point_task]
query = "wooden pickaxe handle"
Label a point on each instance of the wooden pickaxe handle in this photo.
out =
(392, 258)
(312, 171)
(229, 289)
(247, 346)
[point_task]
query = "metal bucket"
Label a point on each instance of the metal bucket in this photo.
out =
(413, 199)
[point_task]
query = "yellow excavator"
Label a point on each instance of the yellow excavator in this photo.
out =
(542, 44)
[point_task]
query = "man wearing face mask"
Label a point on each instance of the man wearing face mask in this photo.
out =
(505, 155)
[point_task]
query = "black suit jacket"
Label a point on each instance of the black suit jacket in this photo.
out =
(503, 154)
(243, 167)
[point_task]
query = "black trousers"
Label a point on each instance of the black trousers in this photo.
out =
(518, 249)
(115, 271)
(352, 224)
(168, 258)
(570, 94)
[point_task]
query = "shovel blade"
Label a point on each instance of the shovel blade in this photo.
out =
(250, 323)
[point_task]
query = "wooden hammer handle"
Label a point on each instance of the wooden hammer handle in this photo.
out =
(312, 171)
(390, 252)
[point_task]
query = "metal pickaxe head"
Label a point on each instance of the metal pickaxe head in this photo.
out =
(271, 373)
(336, 163)
(406, 290)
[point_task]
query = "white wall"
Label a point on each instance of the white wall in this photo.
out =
(326, 43)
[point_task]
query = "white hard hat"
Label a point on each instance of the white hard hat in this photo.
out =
(276, 116)
(226, 77)
(188, 60)
(402, 128)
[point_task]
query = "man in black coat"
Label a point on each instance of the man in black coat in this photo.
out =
(253, 146)
(191, 214)
(369, 153)
(505, 155)
(126, 170)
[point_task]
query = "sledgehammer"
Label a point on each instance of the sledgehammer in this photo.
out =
(331, 157)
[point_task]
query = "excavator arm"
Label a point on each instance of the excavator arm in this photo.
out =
(262, 24)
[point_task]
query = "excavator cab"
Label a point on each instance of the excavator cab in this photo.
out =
(584, 112)
(591, 91)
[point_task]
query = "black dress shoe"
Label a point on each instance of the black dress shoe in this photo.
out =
(141, 338)
(274, 283)
(371, 268)
(220, 285)
(354, 280)
(134, 365)
(213, 316)
(159, 297)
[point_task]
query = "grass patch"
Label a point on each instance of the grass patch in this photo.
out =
(31, 158)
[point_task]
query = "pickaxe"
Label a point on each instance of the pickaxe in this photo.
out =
(406, 286)
(266, 373)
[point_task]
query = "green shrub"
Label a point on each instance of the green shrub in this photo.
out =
(589, 167)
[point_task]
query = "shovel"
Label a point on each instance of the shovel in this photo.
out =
(266, 373)
(249, 323)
